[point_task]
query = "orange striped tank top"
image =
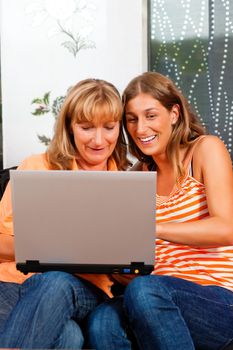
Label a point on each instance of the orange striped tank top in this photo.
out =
(206, 266)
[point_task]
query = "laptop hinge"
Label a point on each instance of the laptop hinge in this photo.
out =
(33, 262)
(29, 266)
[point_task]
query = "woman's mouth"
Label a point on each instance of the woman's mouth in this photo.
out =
(96, 149)
(148, 139)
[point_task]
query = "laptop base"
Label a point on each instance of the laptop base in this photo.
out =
(135, 268)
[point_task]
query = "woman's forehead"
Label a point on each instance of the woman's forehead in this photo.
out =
(97, 118)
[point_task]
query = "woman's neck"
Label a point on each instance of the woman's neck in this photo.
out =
(92, 167)
(166, 178)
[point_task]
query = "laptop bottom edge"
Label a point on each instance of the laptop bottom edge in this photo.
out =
(136, 268)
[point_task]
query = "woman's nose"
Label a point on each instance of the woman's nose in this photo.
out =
(98, 137)
(141, 126)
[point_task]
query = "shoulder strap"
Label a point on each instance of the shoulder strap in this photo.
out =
(189, 155)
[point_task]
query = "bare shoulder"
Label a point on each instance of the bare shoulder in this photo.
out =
(35, 161)
(210, 156)
(209, 146)
(209, 140)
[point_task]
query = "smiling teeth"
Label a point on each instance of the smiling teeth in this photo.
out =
(150, 138)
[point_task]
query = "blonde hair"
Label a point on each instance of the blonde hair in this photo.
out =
(187, 127)
(90, 100)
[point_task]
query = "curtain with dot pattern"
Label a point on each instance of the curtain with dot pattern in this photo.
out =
(191, 41)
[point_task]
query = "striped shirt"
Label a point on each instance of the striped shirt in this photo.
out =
(206, 266)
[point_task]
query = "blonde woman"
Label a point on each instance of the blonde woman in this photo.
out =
(44, 310)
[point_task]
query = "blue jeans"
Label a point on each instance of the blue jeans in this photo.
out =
(164, 313)
(107, 328)
(45, 310)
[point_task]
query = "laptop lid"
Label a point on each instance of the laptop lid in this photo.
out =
(84, 221)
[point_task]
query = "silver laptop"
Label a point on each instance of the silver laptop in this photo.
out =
(84, 221)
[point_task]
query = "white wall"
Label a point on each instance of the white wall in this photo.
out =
(33, 63)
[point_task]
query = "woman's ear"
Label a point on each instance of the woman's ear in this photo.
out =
(175, 113)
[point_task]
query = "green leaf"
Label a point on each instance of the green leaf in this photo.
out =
(40, 111)
(46, 97)
(37, 100)
(44, 139)
(57, 104)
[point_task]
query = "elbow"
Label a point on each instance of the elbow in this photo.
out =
(228, 234)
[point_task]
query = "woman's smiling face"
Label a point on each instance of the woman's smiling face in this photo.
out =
(95, 143)
(150, 124)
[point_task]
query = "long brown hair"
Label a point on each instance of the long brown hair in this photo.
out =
(187, 127)
(89, 100)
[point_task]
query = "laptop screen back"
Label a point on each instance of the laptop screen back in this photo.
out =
(94, 221)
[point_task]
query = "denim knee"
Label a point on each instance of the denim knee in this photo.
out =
(106, 327)
(102, 318)
(71, 337)
(55, 279)
(51, 286)
(96, 328)
(139, 292)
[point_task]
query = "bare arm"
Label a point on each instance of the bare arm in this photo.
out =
(6, 247)
(6, 227)
(212, 166)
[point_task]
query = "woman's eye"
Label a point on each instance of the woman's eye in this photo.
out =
(109, 127)
(151, 116)
(86, 126)
(131, 120)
